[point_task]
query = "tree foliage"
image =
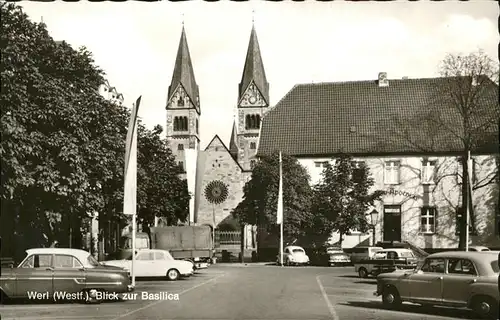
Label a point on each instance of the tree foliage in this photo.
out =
(62, 145)
(342, 198)
(260, 198)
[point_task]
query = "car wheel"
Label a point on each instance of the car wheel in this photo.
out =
(391, 298)
(485, 307)
(363, 273)
(173, 274)
(91, 296)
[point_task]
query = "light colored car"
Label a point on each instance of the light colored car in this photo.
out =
(362, 253)
(479, 248)
(338, 259)
(155, 263)
(454, 279)
(386, 260)
(294, 255)
(62, 273)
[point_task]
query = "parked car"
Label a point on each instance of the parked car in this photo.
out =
(454, 279)
(155, 263)
(294, 255)
(339, 259)
(49, 271)
(363, 253)
(329, 257)
(387, 260)
(479, 248)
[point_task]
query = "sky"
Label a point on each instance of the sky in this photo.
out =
(136, 43)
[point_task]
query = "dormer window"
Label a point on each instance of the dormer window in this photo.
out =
(180, 102)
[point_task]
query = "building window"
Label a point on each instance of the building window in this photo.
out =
(180, 102)
(428, 219)
(320, 164)
(181, 165)
(428, 171)
(180, 124)
(392, 172)
(253, 145)
(180, 147)
(252, 121)
(472, 222)
(252, 164)
(197, 126)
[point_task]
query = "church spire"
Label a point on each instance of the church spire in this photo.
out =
(184, 74)
(233, 144)
(254, 69)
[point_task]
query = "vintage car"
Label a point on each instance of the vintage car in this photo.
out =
(155, 263)
(386, 260)
(293, 255)
(59, 273)
(454, 279)
(328, 256)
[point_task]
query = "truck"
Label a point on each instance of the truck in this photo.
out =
(384, 261)
(193, 243)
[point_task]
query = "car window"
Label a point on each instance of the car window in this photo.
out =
(159, 255)
(286, 250)
(380, 255)
(406, 254)
(433, 265)
(392, 255)
(66, 261)
(145, 256)
(461, 266)
(298, 251)
(29, 263)
(38, 261)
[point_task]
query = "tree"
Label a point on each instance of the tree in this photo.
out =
(460, 116)
(161, 192)
(342, 198)
(62, 144)
(48, 101)
(260, 197)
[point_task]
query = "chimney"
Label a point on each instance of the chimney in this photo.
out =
(382, 79)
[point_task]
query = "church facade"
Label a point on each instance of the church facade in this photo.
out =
(219, 172)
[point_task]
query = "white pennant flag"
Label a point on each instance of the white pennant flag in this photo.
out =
(130, 187)
(280, 196)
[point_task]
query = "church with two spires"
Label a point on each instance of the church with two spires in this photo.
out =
(221, 170)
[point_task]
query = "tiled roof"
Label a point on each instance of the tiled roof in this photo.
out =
(254, 69)
(362, 118)
(184, 73)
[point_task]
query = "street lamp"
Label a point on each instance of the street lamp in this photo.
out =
(373, 222)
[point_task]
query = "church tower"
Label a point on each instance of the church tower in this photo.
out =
(183, 105)
(253, 102)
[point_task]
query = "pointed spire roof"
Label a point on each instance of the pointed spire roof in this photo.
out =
(233, 144)
(254, 69)
(184, 73)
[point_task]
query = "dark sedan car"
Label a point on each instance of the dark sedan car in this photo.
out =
(63, 274)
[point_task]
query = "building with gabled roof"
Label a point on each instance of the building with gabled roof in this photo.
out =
(384, 123)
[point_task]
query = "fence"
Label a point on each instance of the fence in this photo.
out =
(227, 237)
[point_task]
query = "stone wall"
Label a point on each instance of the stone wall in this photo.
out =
(219, 165)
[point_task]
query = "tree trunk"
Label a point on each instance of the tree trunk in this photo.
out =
(341, 239)
(465, 202)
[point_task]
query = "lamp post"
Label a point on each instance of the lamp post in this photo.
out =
(373, 222)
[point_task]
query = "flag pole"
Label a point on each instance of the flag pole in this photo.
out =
(280, 209)
(469, 200)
